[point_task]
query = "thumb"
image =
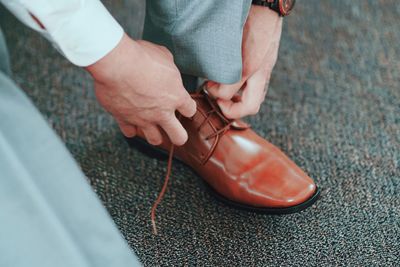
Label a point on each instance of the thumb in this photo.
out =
(232, 110)
(224, 91)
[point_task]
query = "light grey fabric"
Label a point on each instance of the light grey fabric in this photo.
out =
(49, 215)
(205, 36)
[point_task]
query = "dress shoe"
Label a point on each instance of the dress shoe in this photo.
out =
(240, 167)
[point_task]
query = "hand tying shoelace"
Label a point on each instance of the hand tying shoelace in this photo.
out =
(239, 167)
(215, 110)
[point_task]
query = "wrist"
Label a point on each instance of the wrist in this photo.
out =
(109, 67)
(262, 21)
(263, 12)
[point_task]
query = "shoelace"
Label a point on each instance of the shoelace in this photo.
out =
(214, 111)
(163, 189)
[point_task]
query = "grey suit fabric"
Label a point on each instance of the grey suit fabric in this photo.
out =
(205, 36)
(49, 215)
(4, 58)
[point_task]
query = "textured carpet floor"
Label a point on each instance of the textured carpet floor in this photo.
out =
(333, 106)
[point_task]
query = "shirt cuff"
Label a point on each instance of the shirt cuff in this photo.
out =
(83, 30)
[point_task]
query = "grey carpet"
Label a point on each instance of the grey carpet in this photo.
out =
(333, 106)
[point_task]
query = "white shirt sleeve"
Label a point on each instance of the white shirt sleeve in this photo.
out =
(83, 30)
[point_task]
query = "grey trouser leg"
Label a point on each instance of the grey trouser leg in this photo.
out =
(190, 82)
(205, 36)
(4, 59)
(49, 215)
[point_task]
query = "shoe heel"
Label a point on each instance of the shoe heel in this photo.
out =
(146, 148)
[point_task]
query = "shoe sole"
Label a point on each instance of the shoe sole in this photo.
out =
(161, 154)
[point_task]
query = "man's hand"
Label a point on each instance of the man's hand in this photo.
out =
(261, 36)
(139, 84)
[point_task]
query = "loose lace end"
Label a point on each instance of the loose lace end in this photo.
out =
(162, 192)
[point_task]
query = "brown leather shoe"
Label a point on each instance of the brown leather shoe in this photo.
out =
(240, 167)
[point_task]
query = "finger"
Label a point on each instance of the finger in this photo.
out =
(175, 131)
(225, 91)
(166, 51)
(127, 129)
(232, 110)
(188, 108)
(258, 85)
(249, 104)
(152, 134)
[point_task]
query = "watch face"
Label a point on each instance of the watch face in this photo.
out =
(285, 6)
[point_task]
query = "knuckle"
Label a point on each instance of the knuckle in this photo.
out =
(231, 115)
(180, 137)
(124, 132)
(180, 140)
(254, 110)
(214, 91)
(225, 95)
(166, 50)
(154, 141)
(182, 100)
(128, 131)
(164, 118)
(187, 103)
(193, 106)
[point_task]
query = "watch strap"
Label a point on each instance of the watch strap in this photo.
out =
(272, 4)
(261, 3)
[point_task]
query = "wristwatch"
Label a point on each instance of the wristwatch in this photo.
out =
(283, 7)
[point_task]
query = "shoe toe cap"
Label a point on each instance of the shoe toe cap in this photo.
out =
(277, 182)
